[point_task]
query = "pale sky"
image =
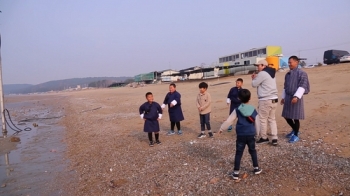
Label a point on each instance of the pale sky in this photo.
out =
(45, 40)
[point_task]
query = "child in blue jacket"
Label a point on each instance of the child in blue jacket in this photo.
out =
(247, 120)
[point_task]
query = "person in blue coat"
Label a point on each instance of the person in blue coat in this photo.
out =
(151, 113)
(232, 97)
(173, 100)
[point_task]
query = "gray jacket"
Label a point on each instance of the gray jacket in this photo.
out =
(265, 81)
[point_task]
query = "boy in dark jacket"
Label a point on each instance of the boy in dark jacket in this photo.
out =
(232, 97)
(245, 131)
(151, 113)
(173, 100)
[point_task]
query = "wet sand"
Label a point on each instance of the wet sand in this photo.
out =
(105, 142)
(36, 164)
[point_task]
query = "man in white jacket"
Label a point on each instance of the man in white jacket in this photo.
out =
(268, 98)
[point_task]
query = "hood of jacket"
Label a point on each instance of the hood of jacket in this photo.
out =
(246, 110)
(271, 71)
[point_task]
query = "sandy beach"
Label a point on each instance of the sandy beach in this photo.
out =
(109, 152)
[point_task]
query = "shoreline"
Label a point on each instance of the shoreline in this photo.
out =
(106, 152)
(36, 164)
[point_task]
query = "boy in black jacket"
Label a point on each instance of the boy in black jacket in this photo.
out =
(232, 98)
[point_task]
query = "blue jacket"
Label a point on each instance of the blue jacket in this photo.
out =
(246, 115)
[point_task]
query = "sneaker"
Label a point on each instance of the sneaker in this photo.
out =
(158, 142)
(171, 132)
(211, 135)
(257, 171)
(261, 141)
(234, 175)
(274, 142)
(289, 135)
(151, 143)
(294, 139)
(179, 132)
(201, 135)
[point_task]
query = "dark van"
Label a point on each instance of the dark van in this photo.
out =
(333, 56)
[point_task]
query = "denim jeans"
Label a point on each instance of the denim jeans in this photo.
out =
(241, 142)
(205, 120)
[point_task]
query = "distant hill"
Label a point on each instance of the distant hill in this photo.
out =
(57, 85)
(10, 88)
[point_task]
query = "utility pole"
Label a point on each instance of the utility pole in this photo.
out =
(4, 131)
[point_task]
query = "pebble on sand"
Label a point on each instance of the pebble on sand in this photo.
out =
(15, 139)
(214, 180)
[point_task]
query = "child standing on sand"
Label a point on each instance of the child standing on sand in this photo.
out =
(232, 97)
(204, 109)
(247, 120)
(173, 100)
(151, 113)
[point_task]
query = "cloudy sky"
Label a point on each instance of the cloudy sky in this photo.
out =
(59, 39)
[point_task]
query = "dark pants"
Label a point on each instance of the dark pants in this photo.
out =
(295, 124)
(205, 120)
(240, 145)
(172, 125)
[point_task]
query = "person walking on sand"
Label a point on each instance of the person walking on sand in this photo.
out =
(247, 119)
(265, 82)
(204, 109)
(296, 84)
(173, 100)
(232, 98)
(151, 113)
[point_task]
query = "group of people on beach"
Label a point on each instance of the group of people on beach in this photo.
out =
(251, 125)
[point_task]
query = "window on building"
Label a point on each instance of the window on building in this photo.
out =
(233, 57)
(255, 53)
(247, 62)
(246, 54)
(264, 51)
(220, 60)
(242, 55)
(237, 56)
(237, 63)
(230, 58)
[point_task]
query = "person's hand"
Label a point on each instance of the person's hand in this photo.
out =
(294, 100)
(282, 101)
(199, 109)
(158, 119)
(220, 131)
(171, 105)
(254, 75)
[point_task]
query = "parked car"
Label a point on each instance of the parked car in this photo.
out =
(309, 66)
(333, 56)
(345, 58)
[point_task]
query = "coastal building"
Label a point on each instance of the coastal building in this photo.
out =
(251, 56)
(147, 77)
